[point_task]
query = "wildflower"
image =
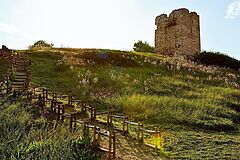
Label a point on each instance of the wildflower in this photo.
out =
(145, 82)
(135, 81)
(146, 89)
(95, 80)
(178, 67)
(113, 77)
(154, 63)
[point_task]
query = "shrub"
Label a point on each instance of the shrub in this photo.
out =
(41, 44)
(143, 47)
(217, 59)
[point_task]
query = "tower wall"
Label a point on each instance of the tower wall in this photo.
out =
(178, 33)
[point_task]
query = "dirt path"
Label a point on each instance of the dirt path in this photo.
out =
(130, 149)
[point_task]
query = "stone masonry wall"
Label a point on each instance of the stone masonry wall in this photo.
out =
(178, 34)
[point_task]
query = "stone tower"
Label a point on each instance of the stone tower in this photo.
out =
(178, 34)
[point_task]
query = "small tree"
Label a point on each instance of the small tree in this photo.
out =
(141, 46)
(41, 44)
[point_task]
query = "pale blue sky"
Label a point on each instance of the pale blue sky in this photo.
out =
(114, 24)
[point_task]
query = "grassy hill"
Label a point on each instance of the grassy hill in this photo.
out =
(197, 106)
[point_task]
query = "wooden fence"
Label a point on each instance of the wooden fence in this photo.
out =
(58, 108)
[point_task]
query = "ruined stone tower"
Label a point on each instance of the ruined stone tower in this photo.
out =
(178, 34)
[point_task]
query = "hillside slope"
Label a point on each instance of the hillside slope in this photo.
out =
(197, 106)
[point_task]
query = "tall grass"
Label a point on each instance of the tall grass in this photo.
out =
(164, 109)
(23, 137)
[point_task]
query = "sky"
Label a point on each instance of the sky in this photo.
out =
(113, 24)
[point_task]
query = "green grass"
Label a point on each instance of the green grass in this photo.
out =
(23, 136)
(198, 144)
(51, 72)
(158, 91)
(194, 113)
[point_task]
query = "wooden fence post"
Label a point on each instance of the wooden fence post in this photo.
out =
(70, 100)
(63, 112)
(127, 124)
(58, 115)
(39, 100)
(110, 145)
(81, 105)
(40, 103)
(75, 121)
(55, 107)
(114, 144)
(46, 95)
(34, 91)
(142, 132)
(54, 96)
(99, 138)
(124, 119)
(91, 112)
(94, 133)
(71, 122)
(52, 106)
(109, 117)
(84, 129)
(87, 129)
(95, 113)
(30, 98)
(43, 102)
(138, 132)
(8, 91)
(43, 92)
(84, 107)
(111, 113)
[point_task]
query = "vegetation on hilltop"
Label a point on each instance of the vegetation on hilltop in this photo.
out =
(141, 46)
(41, 44)
(217, 59)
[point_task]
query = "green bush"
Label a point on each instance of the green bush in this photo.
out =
(143, 47)
(41, 44)
(217, 59)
